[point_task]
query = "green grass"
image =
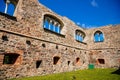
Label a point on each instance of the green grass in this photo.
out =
(93, 74)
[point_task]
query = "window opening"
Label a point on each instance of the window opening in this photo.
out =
(28, 42)
(101, 61)
(79, 35)
(43, 45)
(77, 60)
(56, 46)
(53, 24)
(98, 36)
(8, 6)
(38, 63)
(68, 63)
(10, 58)
(5, 38)
(56, 60)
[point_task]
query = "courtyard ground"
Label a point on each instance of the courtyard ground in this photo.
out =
(88, 74)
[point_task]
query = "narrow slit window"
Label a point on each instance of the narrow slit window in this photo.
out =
(68, 63)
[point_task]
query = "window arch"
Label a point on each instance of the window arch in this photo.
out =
(79, 35)
(52, 23)
(98, 36)
(8, 6)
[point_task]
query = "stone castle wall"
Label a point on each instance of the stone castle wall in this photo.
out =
(38, 51)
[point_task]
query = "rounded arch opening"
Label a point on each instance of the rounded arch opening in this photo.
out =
(79, 35)
(52, 23)
(98, 36)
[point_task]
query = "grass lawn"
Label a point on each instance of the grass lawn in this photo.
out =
(93, 74)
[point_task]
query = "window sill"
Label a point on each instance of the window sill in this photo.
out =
(81, 42)
(8, 16)
(47, 30)
(98, 41)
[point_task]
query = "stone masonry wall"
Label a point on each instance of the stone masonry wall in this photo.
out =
(37, 51)
(108, 49)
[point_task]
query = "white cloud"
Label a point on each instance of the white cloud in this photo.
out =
(83, 25)
(78, 23)
(94, 3)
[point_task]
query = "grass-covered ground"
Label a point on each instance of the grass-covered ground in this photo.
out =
(93, 74)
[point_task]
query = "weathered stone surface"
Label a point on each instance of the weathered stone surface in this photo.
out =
(33, 48)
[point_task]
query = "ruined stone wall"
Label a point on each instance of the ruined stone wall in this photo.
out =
(38, 51)
(108, 49)
(33, 49)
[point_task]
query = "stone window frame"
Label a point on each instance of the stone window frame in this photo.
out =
(79, 35)
(55, 22)
(8, 3)
(99, 36)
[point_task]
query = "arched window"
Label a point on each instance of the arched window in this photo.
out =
(8, 6)
(52, 23)
(98, 36)
(79, 35)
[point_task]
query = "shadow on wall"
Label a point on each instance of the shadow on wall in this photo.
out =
(116, 72)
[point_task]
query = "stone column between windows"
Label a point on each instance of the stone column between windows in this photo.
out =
(6, 7)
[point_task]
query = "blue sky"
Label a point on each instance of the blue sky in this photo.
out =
(87, 13)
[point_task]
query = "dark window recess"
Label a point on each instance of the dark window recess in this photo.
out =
(28, 42)
(5, 38)
(101, 61)
(43, 45)
(74, 50)
(38, 63)
(10, 58)
(66, 49)
(68, 63)
(56, 47)
(55, 60)
(77, 60)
